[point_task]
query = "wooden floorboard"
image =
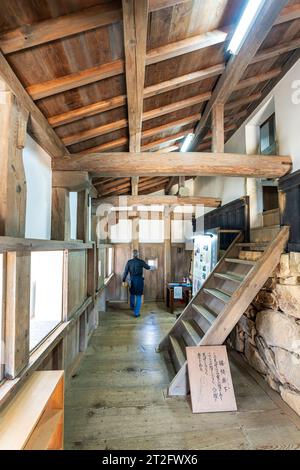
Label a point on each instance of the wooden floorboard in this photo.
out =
(117, 397)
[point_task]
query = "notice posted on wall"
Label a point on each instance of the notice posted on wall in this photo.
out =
(210, 379)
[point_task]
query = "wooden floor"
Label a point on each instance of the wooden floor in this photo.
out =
(116, 399)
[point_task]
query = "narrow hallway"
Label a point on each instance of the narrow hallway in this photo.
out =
(117, 397)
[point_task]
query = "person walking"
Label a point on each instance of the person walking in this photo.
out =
(134, 267)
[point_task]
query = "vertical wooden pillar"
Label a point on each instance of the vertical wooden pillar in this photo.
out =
(13, 124)
(218, 138)
(167, 245)
(83, 201)
(135, 233)
(60, 220)
(17, 319)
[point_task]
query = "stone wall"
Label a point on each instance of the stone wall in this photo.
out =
(268, 334)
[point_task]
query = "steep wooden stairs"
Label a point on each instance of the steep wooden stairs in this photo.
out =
(216, 308)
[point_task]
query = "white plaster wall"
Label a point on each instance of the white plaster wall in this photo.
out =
(73, 197)
(285, 101)
(37, 165)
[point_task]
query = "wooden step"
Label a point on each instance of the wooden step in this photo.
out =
(205, 313)
(177, 351)
(250, 255)
(264, 234)
(218, 294)
(253, 246)
(271, 217)
(240, 261)
(229, 277)
(193, 330)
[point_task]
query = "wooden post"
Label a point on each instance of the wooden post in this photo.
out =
(13, 124)
(135, 233)
(60, 220)
(167, 245)
(218, 128)
(83, 201)
(17, 316)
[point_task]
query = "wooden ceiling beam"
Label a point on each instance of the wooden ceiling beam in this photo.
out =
(176, 106)
(111, 69)
(289, 13)
(242, 101)
(135, 22)
(256, 79)
(145, 134)
(173, 148)
(118, 101)
(237, 64)
(88, 110)
(120, 164)
(116, 125)
(39, 127)
(169, 138)
(70, 24)
(275, 51)
(161, 201)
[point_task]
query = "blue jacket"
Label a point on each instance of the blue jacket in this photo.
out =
(135, 267)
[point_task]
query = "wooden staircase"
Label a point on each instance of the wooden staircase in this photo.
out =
(216, 308)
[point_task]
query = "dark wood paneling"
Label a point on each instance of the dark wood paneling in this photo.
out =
(180, 262)
(154, 280)
(231, 216)
(289, 202)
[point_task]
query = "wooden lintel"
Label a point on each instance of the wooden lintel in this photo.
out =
(122, 164)
(149, 200)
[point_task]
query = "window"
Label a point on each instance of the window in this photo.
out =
(268, 136)
(46, 294)
(153, 263)
(73, 215)
(109, 261)
(1, 319)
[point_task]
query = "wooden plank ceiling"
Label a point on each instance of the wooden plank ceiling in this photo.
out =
(69, 56)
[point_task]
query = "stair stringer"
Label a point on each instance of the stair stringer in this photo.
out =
(188, 309)
(237, 305)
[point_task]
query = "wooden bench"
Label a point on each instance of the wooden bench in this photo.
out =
(34, 419)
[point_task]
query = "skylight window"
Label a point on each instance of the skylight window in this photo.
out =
(248, 17)
(187, 142)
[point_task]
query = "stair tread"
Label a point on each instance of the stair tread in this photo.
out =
(268, 227)
(218, 293)
(178, 348)
(252, 244)
(191, 327)
(240, 261)
(229, 277)
(207, 314)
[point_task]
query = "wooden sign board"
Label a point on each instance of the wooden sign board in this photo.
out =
(210, 379)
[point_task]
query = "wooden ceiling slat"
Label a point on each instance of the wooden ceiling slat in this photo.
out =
(39, 127)
(61, 27)
(169, 138)
(242, 101)
(117, 101)
(90, 18)
(89, 110)
(259, 78)
(238, 63)
(94, 74)
(173, 148)
(107, 145)
(107, 128)
(275, 51)
(175, 106)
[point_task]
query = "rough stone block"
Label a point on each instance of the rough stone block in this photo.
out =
(278, 330)
(291, 398)
(253, 357)
(288, 366)
(289, 299)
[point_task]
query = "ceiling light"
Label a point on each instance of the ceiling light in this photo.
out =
(248, 17)
(187, 142)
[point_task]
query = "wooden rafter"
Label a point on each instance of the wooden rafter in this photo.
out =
(161, 200)
(111, 69)
(169, 138)
(119, 164)
(237, 64)
(87, 19)
(146, 116)
(38, 125)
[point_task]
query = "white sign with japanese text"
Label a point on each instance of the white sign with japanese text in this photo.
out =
(210, 379)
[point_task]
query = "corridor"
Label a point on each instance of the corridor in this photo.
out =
(117, 397)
